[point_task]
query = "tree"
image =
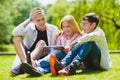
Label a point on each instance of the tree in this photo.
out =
(24, 7)
(107, 10)
(12, 13)
(7, 15)
(57, 11)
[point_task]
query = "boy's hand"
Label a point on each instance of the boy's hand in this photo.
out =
(68, 48)
(35, 13)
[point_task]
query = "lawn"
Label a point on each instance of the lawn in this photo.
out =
(112, 74)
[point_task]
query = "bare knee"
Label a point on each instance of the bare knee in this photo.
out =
(41, 43)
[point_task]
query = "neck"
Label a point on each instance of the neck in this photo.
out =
(41, 29)
(68, 37)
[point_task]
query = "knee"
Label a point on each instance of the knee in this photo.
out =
(41, 43)
(87, 45)
(90, 42)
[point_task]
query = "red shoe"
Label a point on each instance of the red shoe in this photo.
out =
(55, 65)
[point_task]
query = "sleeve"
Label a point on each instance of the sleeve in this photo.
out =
(58, 39)
(93, 36)
(56, 32)
(19, 30)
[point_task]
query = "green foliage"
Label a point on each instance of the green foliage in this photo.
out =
(13, 12)
(24, 7)
(107, 10)
(57, 11)
(6, 20)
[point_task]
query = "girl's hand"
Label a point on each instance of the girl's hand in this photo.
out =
(66, 49)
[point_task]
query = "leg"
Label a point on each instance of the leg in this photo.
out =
(17, 62)
(81, 49)
(60, 55)
(85, 54)
(45, 62)
(38, 67)
(38, 51)
(55, 65)
(92, 60)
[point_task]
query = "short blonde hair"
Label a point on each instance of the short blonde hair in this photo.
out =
(36, 12)
(36, 9)
(72, 22)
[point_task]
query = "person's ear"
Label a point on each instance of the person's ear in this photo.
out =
(93, 25)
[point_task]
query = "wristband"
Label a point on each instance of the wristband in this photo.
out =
(30, 19)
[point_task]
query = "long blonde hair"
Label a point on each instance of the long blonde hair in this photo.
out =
(72, 22)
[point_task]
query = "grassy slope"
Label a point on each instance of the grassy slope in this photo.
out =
(113, 74)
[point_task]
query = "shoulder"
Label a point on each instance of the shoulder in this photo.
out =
(31, 26)
(98, 29)
(51, 26)
(60, 34)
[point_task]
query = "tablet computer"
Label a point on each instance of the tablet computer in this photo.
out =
(54, 47)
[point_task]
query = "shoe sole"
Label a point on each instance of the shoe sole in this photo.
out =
(52, 64)
(27, 68)
(63, 74)
(14, 73)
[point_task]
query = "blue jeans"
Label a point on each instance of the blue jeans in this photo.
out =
(44, 62)
(89, 53)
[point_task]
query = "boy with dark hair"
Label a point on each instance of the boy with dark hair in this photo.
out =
(91, 49)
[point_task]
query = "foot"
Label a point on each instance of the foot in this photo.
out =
(82, 66)
(27, 68)
(17, 70)
(55, 65)
(69, 70)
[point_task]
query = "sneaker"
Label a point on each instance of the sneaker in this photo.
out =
(17, 70)
(55, 65)
(27, 68)
(82, 66)
(69, 70)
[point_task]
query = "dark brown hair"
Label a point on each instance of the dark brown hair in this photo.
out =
(91, 17)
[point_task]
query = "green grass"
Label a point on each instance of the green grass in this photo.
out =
(6, 62)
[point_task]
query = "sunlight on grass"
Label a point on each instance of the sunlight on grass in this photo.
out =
(112, 74)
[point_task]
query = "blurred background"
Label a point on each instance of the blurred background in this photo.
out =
(13, 12)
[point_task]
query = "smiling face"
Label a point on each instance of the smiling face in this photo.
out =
(40, 22)
(69, 26)
(89, 22)
(87, 27)
(67, 29)
(38, 17)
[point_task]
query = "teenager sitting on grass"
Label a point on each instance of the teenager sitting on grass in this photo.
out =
(70, 32)
(31, 35)
(91, 49)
